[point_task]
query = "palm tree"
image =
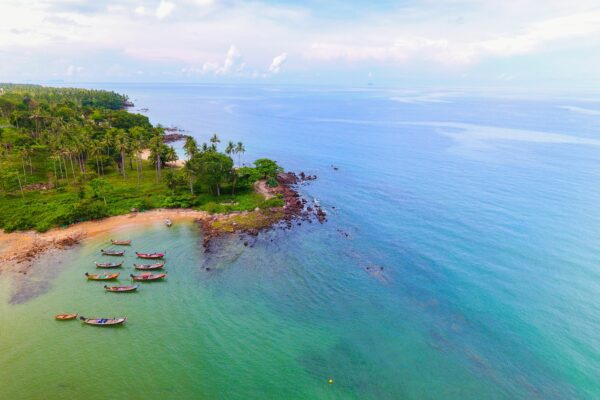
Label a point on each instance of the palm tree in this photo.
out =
(190, 147)
(240, 149)
(230, 149)
(95, 150)
(188, 171)
(155, 149)
(214, 140)
(122, 145)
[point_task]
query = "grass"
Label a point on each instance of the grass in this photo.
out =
(44, 209)
(248, 221)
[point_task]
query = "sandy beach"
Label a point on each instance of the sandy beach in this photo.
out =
(19, 249)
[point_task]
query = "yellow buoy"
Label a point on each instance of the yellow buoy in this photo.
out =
(330, 381)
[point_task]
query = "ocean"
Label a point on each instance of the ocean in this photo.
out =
(459, 259)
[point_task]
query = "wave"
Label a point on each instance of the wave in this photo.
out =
(580, 110)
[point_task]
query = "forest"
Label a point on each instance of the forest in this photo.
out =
(69, 155)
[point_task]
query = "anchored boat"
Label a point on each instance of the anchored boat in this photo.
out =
(121, 242)
(149, 267)
(101, 277)
(65, 317)
(121, 289)
(147, 277)
(152, 256)
(103, 321)
(112, 252)
(109, 265)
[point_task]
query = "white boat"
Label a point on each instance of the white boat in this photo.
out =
(168, 222)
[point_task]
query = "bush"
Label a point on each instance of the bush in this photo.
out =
(272, 202)
(182, 201)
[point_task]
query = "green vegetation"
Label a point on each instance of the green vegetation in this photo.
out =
(70, 155)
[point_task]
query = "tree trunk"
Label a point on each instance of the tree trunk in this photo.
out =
(62, 176)
(20, 186)
(55, 176)
(137, 168)
(72, 167)
(123, 164)
(24, 173)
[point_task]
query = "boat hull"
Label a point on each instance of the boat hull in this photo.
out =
(109, 265)
(121, 289)
(112, 253)
(65, 317)
(101, 277)
(148, 267)
(148, 277)
(150, 256)
(104, 321)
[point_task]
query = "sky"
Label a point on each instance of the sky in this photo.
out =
(408, 42)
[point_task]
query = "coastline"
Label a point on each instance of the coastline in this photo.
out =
(18, 250)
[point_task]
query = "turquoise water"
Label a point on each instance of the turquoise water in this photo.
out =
(482, 210)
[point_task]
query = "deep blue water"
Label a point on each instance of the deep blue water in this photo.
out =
(481, 209)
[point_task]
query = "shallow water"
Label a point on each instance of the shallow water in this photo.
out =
(459, 261)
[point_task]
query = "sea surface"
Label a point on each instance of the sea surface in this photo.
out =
(460, 259)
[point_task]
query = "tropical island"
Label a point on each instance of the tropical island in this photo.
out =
(72, 155)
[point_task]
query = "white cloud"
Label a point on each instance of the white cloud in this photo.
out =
(73, 70)
(277, 62)
(164, 9)
(233, 62)
(424, 37)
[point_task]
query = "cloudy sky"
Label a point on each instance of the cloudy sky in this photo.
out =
(460, 42)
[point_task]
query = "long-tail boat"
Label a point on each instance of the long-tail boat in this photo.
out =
(101, 277)
(121, 289)
(147, 277)
(65, 317)
(149, 267)
(112, 252)
(103, 321)
(109, 265)
(152, 256)
(121, 242)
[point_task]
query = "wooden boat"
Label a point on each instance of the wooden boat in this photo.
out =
(121, 242)
(168, 222)
(149, 267)
(147, 277)
(103, 321)
(109, 265)
(65, 317)
(112, 252)
(152, 256)
(121, 289)
(101, 277)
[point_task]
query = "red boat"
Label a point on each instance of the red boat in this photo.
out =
(152, 256)
(147, 277)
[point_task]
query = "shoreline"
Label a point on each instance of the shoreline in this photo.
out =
(18, 250)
